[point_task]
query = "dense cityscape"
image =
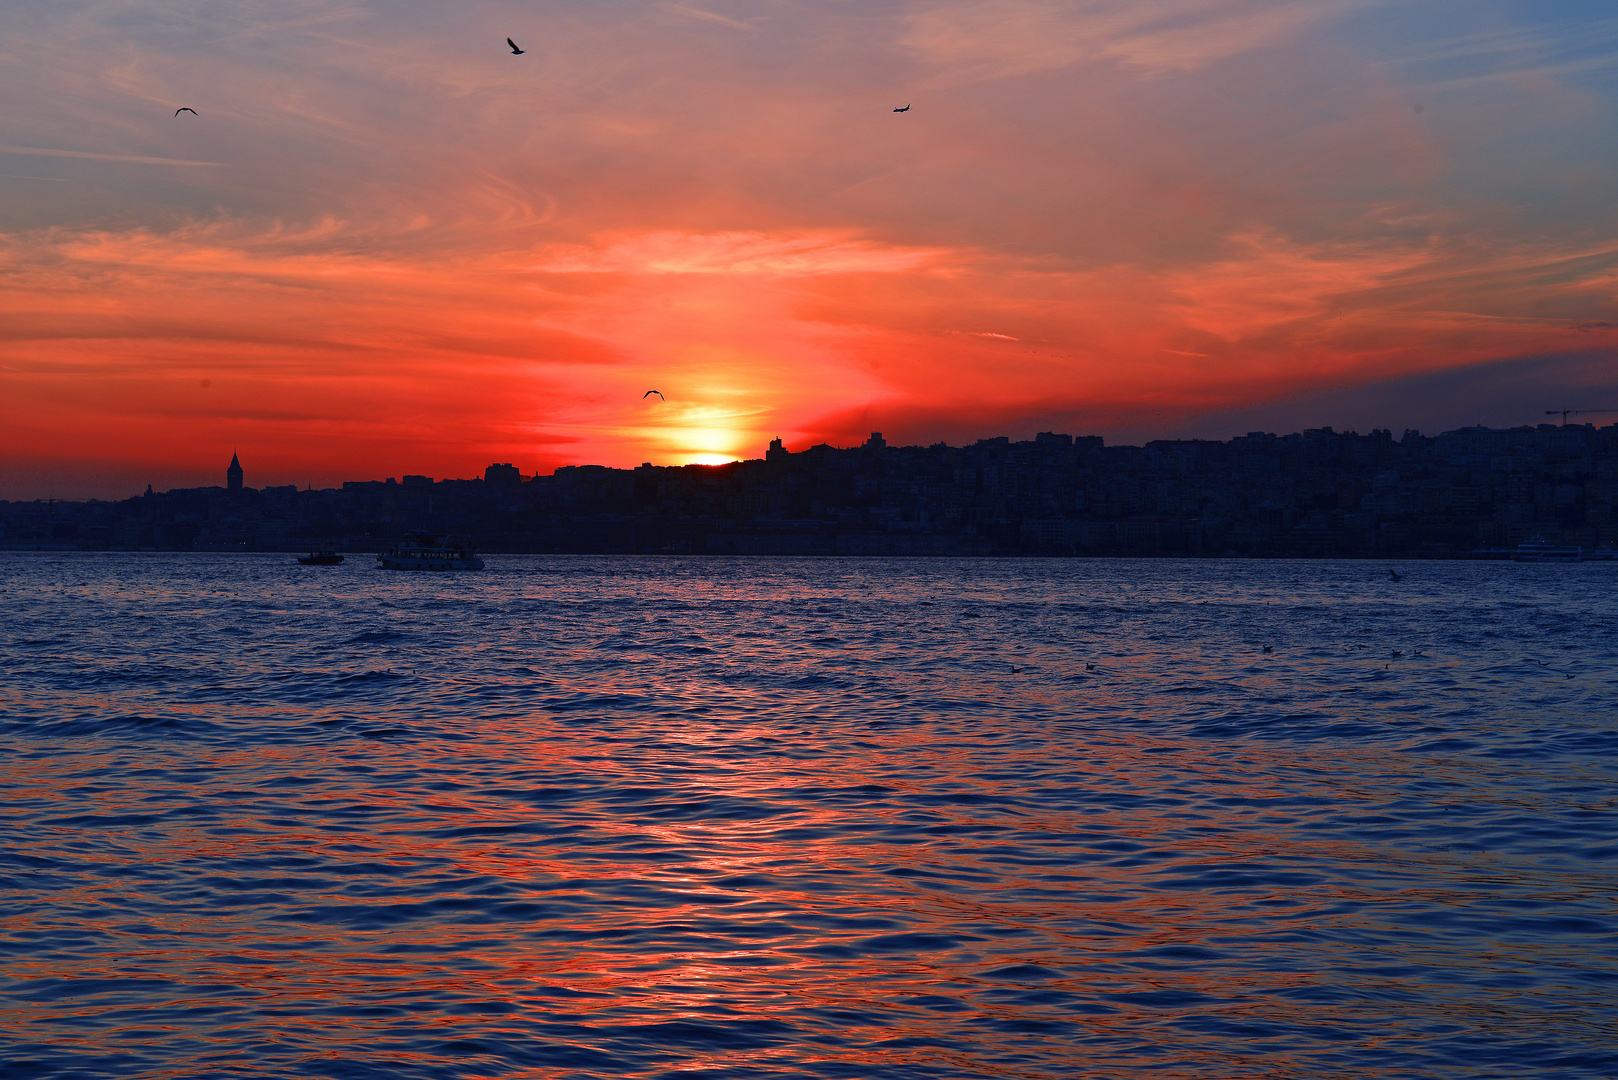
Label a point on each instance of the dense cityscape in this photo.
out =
(1318, 493)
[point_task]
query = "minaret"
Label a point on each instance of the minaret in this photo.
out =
(233, 475)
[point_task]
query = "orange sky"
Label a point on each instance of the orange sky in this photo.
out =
(386, 245)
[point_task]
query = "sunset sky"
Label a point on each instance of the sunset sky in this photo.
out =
(385, 244)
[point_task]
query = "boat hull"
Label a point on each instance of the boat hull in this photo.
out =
(432, 553)
(1539, 550)
(406, 562)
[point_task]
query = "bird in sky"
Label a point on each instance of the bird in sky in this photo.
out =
(905, 109)
(185, 108)
(649, 393)
(514, 50)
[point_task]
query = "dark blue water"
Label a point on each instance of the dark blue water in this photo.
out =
(625, 817)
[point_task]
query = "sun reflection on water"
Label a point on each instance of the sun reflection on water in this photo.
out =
(811, 824)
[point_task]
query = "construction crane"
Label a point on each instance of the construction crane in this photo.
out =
(1565, 413)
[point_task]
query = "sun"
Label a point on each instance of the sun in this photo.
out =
(708, 444)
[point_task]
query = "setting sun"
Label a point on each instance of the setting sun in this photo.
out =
(495, 262)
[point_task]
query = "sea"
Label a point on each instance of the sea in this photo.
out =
(807, 818)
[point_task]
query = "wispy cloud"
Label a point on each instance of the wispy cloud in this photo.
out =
(999, 38)
(689, 12)
(1549, 50)
(745, 254)
(133, 159)
(381, 214)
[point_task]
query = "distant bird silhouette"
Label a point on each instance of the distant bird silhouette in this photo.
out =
(514, 50)
(1269, 648)
(185, 108)
(1394, 574)
(1569, 674)
(1395, 652)
(1018, 670)
(905, 109)
(1089, 667)
(649, 393)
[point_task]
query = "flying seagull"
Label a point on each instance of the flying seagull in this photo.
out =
(185, 108)
(649, 393)
(514, 50)
(905, 109)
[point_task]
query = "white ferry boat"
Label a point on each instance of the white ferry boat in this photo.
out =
(1538, 549)
(431, 551)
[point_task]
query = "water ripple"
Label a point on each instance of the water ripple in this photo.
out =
(807, 818)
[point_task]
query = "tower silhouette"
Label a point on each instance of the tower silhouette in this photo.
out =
(233, 475)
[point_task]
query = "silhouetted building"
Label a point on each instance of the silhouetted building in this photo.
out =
(1312, 493)
(506, 475)
(233, 475)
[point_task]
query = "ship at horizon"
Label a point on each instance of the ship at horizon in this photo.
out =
(431, 552)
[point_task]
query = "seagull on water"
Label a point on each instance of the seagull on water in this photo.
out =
(1394, 574)
(1269, 648)
(185, 108)
(649, 393)
(514, 50)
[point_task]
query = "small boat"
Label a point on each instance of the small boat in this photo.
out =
(431, 551)
(1538, 549)
(326, 556)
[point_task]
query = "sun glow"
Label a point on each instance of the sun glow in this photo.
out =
(1254, 222)
(709, 441)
